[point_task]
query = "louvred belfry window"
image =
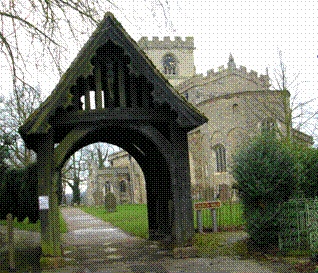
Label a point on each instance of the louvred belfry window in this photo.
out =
(169, 65)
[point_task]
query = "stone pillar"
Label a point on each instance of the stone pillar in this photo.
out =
(182, 212)
(47, 186)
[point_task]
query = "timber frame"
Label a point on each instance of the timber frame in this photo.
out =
(134, 107)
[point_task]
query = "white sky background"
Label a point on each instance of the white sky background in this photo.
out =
(253, 31)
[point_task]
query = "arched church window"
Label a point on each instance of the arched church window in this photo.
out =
(122, 186)
(268, 124)
(220, 154)
(169, 64)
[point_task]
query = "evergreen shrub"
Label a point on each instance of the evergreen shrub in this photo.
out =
(19, 193)
(265, 174)
(307, 170)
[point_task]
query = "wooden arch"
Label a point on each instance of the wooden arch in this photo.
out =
(113, 93)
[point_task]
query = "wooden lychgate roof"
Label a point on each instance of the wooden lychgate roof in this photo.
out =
(133, 89)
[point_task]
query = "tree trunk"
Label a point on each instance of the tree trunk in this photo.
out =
(76, 191)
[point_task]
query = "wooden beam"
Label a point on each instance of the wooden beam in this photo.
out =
(87, 95)
(110, 85)
(133, 90)
(77, 101)
(98, 84)
(104, 86)
(121, 84)
(116, 115)
(50, 226)
(145, 93)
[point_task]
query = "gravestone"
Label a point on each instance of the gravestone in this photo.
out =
(98, 198)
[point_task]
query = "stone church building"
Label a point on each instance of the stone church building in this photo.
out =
(238, 104)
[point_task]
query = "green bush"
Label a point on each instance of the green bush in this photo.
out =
(110, 202)
(19, 193)
(265, 174)
(307, 170)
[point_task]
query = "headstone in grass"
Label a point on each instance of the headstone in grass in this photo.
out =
(98, 198)
(110, 202)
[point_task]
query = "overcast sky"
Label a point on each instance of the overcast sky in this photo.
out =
(253, 31)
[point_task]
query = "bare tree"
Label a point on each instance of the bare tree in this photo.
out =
(74, 173)
(300, 114)
(286, 104)
(14, 110)
(99, 152)
(32, 31)
(41, 25)
(76, 169)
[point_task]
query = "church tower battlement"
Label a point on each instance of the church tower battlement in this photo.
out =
(262, 81)
(173, 58)
(166, 43)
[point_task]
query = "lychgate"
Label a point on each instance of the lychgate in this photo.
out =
(113, 93)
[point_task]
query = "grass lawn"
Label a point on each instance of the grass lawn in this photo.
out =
(214, 244)
(228, 215)
(25, 225)
(131, 218)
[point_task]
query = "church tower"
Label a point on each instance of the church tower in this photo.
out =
(174, 59)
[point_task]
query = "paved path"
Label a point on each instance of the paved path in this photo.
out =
(98, 246)
(95, 246)
(87, 229)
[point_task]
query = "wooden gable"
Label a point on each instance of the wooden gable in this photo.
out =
(125, 83)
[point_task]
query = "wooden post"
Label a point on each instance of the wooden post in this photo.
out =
(98, 84)
(145, 93)
(104, 84)
(48, 199)
(10, 241)
(133, 90)
(121, 84)
(110, 86)
(213, 214)
(214, 219)
(183, 226)
(199, 221)
(87, 95)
